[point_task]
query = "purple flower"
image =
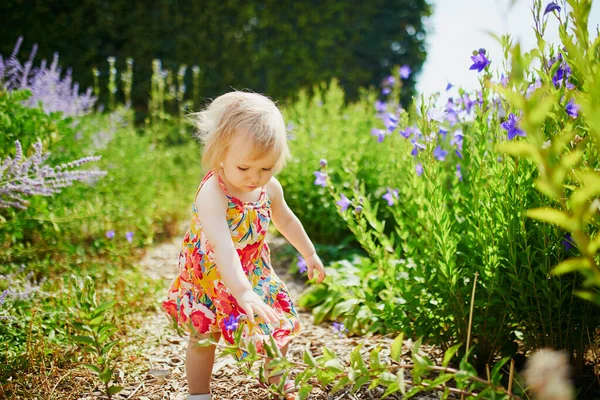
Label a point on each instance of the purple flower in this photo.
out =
(323, 162)
(416, 147)
(457, 139)
(380, 106)
(449, 86)
(572, 108)
(404, 71)
(45, 83)
(435, 115)
(408, 132)
(443, 133)
(458, 172)
(389, 80)
(419, 169)
(439, 153)
(232, 322)
(301, 264)
(390, 121)
(343, 202)
(510, 125)
(24, 175)
(380, 133)
(562, 74)
(129, 236)
(3, 296)
(479, 61)
(567, 242)
(358, 209)
(321, 179)
(339, 328)
(533, 87)
(551, 7)
(504, 80)
(110, 234)
(390, 196)
(385, 91)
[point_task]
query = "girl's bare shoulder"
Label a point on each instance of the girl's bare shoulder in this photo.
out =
(274, 189)
(210, 196)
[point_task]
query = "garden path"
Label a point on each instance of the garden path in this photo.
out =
(160, 373)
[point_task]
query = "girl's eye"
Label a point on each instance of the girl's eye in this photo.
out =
(243, 169)
(267, 169)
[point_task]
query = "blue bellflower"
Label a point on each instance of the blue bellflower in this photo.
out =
(551, 7)
(440, 154)
(390, 196)
(572, 108)
(343, 202)
(404, 71)
(302, 267)
(510, 125)
(321, 179)
(479, 61)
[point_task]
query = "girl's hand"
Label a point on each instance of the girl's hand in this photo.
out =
(313, 261)
(252, 304)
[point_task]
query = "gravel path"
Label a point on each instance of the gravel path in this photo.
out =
(157, 369)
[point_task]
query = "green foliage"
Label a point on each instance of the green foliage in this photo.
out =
(378, 367)
(564, 151)
(323, 127)
(28, 125)
(129, 199)
(271, 47)
(424, 251)
(94, 330)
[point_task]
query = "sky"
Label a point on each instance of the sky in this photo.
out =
(457, 27)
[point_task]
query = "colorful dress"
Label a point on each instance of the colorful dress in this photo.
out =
(198, 300)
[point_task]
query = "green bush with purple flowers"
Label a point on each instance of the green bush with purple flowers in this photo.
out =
(435, 203)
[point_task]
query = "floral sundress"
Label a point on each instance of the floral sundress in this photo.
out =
(197, 299)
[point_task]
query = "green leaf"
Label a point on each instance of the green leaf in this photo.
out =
(589, 296)
(114, 390)
(553, 216)
(308, 358)
(401, 382)
(520, 149)
(334, 365)
(83, 339)
(107, 347)
(449, 354)
(105, 375)
(392, 388)
(304, 392)
(571, 265)
(340, 384)
(105, 306)
(396, 350)
(497, 369)
(92, 367)
(97, 320)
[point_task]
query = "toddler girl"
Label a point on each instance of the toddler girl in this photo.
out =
(226, 281)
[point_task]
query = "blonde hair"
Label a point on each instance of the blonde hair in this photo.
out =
(230, 114)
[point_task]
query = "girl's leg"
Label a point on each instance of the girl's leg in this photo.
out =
(199, 363)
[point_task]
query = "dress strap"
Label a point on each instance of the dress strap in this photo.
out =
(206, 177)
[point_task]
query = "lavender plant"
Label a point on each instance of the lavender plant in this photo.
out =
(30, 176)
(48, 88)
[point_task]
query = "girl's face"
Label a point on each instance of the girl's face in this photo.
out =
(243, 170)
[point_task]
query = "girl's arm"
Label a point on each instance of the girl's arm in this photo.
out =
(211, 205)
(288, 224)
